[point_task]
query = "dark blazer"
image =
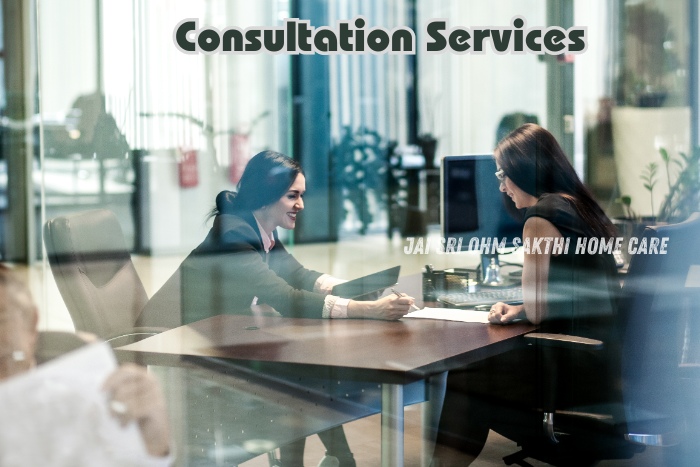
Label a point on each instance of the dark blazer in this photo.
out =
(228, 269)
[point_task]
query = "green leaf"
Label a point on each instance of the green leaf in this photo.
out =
(664, 155)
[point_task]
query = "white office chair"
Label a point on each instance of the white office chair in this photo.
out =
(96, 277)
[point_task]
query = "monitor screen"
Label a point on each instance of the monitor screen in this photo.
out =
(473, 208)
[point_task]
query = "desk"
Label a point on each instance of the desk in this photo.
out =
(229, 417)
(391, 353)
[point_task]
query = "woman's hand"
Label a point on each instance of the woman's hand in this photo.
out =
(502, 313)
(136, 396)
(391, 307)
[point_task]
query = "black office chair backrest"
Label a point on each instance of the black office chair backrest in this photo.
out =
(659, 294)
(94, 273)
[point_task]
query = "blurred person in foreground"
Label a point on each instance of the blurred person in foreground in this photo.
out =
(132, 395)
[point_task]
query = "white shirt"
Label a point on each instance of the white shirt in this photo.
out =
(333, 306)
(58, 415)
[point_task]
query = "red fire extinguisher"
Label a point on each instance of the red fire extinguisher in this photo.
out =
(187, 168)
(239, 149)
(239, 156)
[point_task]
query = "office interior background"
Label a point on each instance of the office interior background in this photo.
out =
(101, 110)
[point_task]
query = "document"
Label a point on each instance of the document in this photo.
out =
(451, 314)
(57, 414)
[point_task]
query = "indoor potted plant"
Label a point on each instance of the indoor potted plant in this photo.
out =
(682, 196)
(649, 89)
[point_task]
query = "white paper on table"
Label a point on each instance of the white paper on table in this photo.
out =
(58, 415)
(451, 314)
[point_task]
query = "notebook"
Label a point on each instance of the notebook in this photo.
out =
(374, 282)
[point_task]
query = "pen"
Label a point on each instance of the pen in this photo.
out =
(398, 294)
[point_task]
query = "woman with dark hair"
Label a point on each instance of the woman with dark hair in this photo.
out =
(242, 263)
(535, 173)
(565, 291)
(242, 260)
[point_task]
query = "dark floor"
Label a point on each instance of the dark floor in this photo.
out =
(364, 436)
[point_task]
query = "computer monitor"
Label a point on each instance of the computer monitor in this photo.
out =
(473, 209)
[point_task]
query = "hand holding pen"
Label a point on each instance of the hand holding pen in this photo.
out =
(399, 294)
(389, 307)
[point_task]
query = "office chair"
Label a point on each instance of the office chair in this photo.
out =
(53, 344)
(95, 276)
(164, 309)
(656, 327)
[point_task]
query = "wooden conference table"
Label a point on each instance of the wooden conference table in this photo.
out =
(390, 353)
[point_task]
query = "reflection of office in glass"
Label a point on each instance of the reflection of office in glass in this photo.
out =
(100, 111)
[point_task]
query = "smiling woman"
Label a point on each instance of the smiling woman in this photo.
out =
(242, 262)
(284, 212)
(243, 268)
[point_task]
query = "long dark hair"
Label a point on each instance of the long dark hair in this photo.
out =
(266, 178)
(533, 159)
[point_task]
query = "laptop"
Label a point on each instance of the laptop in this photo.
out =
(374, 282)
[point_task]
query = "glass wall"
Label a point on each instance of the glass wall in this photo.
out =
(132, 123)
(651, 110)
(176, 128)
(370, 96)
(122, 120)
(463, 101)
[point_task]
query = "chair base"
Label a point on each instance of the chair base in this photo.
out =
(572, 453)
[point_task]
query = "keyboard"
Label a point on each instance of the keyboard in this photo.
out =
(510, 295)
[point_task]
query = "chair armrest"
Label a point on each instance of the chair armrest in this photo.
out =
(134, 335)
(552, 346)
(564, 341)
(52, 344)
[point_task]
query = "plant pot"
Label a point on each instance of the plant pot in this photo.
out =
(652, 99)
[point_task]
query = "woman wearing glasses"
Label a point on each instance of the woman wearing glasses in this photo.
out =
(568, 292)
(535, 173)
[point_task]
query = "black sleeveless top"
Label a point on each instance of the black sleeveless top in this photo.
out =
(582, 287)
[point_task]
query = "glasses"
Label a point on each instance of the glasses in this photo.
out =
(501, 176)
